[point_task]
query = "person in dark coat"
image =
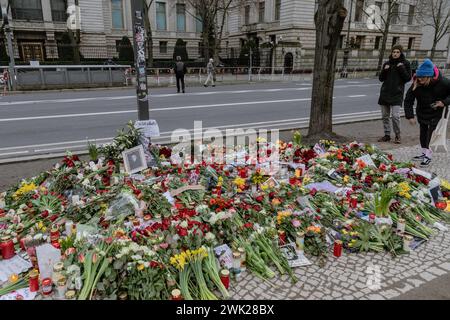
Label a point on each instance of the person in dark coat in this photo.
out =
(395, 74)
(431, 90)
(180, 70)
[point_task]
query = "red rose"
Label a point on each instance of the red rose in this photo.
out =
(44, 214)
(54, 217)
(248, 225)
(259, 198)
(313, 192)
(182, 232)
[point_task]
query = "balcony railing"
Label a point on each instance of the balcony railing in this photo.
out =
(27, 14)
(59, 16)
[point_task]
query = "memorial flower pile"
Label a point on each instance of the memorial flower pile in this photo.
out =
(157, 234)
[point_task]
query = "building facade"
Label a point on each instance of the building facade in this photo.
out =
(283, 30)
(39, 25)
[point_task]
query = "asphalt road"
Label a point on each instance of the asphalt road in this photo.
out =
(51, 122)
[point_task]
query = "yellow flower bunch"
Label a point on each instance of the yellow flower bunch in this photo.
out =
(346, 179)
(306, 180)
(445, 184)
(24, 189)
(281, 215)
(404, 189)
(239, 182)
(352, 243)
(180, 260)
(220, 181)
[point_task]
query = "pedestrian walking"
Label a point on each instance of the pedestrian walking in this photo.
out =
(431, 90)
(4, 79)
(211, 73)
(396, 72)
(180, 71)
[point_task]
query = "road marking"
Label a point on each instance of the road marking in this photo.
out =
(167, 134)
(59, 148)
(234, 104)
(55, 143)
(357, 96)
(12, 153)
(89, 99)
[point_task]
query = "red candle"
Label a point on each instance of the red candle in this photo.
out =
(7, 248)
(34, 281)
(337, 248)
(225, 278)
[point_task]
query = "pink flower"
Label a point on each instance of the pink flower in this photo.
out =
(164, 245)
(296, 223)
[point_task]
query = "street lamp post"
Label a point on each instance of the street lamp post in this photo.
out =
(137, 10)
(344, 73)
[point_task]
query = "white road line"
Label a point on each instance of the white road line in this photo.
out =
(12, 153)
(59, 148)
(234, 104)
(357, 96)
(55, 143)
(88, 99)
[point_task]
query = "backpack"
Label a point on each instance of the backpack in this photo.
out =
(180, 67)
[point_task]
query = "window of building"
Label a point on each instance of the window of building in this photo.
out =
(117, 14)
(411, 43)
(341, 42)
(198, 24)
(359, 10)
(277, 10)
(395, 40)
(181, 17)
(58, 10)
(412, 11)
(262, 10)
(201, 53)
(379, 4)
(359, 42)
(247, 15)
(161, 16)
(163, 47)
(377, 42)
(395, 14)
(27, 10)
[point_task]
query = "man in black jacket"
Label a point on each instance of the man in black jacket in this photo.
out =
(180, 71)
(432, 92)
(395, 74)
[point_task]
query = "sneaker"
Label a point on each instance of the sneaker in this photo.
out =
(419, 158)
(205, 86)
(213, 85)
(398, 140)
(425, 162)
(386, 138)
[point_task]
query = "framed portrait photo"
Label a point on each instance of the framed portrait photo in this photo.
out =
(134, 160)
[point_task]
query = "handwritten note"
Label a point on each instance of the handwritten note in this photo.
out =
(15, 265)
(47, 256)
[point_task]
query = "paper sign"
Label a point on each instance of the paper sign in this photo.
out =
(169, 197)
(176, 192)
(149, 128)
(225, 256)
(434, 190)
(367, 159)
(295, 258)
(47, 256)
(322, 186)
(24, 294)
(422, 173)
(271, 183)
(15, 265)
(319, 149)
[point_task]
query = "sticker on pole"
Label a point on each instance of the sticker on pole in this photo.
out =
(149, 128)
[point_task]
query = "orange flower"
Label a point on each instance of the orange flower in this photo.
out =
(361, 164)
(276, 202)
(313, 229)
(339, 155)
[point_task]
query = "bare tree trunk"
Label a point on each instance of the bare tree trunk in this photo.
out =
(433, 48)
(382, 50)
(329, 20)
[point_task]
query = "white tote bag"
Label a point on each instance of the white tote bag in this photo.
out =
(439, 137)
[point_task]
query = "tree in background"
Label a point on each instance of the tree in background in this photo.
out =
(435, 14)
(180, 50)
(329, 21)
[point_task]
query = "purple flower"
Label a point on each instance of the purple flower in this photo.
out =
(296, 223)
